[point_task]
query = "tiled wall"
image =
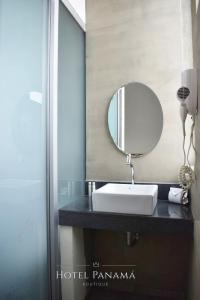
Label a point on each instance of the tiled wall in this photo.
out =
(141, 41)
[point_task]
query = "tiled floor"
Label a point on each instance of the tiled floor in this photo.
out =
(101, 294)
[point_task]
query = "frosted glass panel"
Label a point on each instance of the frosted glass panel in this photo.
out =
(71, 107)
(23, 232)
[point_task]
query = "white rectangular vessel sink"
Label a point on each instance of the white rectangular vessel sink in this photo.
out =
(126, 198)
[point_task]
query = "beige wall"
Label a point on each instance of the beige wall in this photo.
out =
(141, 41)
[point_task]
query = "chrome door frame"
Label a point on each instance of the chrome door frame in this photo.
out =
(51, 148)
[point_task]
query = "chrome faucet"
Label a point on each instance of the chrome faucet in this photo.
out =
(129, 162)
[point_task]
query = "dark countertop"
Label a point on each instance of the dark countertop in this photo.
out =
(168, 218)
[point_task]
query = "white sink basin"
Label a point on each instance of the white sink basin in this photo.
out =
(126, 198)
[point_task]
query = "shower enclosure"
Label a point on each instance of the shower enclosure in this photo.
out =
(29, 251)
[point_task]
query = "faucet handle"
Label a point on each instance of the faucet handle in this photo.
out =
(129, 162)
(128, 159)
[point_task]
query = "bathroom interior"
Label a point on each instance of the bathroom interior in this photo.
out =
(100, 150)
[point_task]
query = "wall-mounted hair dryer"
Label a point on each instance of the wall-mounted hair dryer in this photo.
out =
(187, 95)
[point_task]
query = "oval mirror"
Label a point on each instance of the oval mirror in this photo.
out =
(135, 119)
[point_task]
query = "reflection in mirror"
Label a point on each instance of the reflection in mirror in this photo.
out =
(135, 119)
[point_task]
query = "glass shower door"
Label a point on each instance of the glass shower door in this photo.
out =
(71, 107)
(23, 204)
